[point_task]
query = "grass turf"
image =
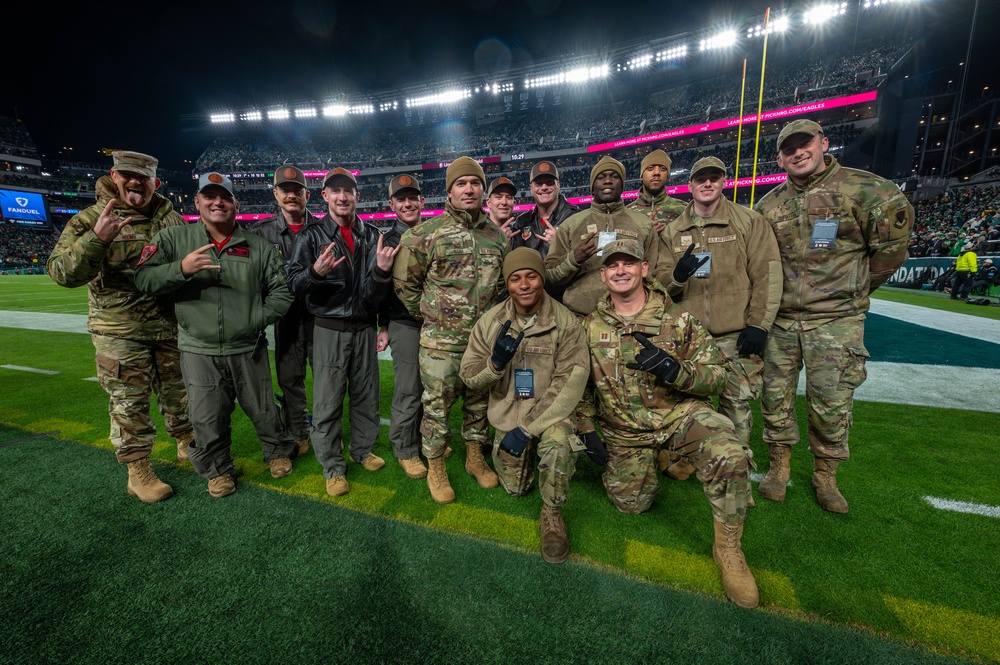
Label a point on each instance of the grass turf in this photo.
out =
(894, 564)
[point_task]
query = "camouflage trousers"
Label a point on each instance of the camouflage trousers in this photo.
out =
(407, 411)
(293, 337)
(706, 440)
(555, 452)
(834, 357)
(130, 371)
(442, 387)
(742, 387)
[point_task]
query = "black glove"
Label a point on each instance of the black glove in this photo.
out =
(751, 341)
(688, 265)
(595, 448)
(504, 347)
(654, 360)
(515, 441)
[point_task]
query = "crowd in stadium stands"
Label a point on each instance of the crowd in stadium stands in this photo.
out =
(956, 218)
(15, 140)
(31, 181)
(553, 128)
(22, 248)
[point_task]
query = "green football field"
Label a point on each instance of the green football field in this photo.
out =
(279, 572)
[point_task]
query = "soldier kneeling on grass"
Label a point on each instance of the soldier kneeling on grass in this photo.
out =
(530, 353)
(654, 369)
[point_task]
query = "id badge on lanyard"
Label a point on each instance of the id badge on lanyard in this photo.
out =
(824, 234)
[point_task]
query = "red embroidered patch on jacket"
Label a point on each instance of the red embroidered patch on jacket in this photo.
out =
(147, 254)
(240, 250)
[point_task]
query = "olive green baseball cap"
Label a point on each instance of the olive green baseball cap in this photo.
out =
(134, 162)
(545, 168)
(403, 182)
(707, 164)
(627, 246)
(288, 173)
(807, 127)
(339, 172)
(502, 183)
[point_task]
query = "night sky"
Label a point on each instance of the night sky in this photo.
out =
(124, 75)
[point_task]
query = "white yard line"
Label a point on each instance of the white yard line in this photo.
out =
(963, 507)
(966, 325)
(33, 370)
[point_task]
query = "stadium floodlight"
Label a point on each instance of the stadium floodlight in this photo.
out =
(674, 52)
(277, 114)
(335, 111)
(776, 25)
(638, 62)
(575, 75)
(251, 116)
(305, 113)
(446, 97)
(720, 41)
(228, 116)
(388, 106)
(820, 14)
(872, 4)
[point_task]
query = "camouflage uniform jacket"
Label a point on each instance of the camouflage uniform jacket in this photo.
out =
(116, 307)
(219, 312)
(554, 348)
(274, 229)
(661, 209)
(448, 273)
(583, 282)
(743, 287)
(629, 403)
(875, 220)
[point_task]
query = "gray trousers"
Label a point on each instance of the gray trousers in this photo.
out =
(293, 336)
(214, 384)
(344, 362)
(407, 409)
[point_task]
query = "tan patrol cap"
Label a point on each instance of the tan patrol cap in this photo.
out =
(339, 172)
(403, 182)
(503, 183)
(627, 246)
(545, 168)
(706, 164)
(798, 127)
(288, 173)
(654, 158)
(135, 162)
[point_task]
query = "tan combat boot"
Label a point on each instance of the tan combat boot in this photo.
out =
(775, 481)
(555, 542)
(413, 467)
(143, 483)
(437, 481)
(825, 481)
(182, 447)
(301, 447)
(476, 466)
(738, 581)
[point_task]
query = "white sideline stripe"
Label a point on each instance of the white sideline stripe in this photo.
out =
(92, 378)
(757, 477)
(384, 421)
(966, 325)
(944, 386)
(963, 507)
(33, 370)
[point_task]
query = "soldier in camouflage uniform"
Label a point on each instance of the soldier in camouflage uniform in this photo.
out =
(293, 333)
(653, 200)
(536, 374)
(841, 234)
(654, 369)
(447, 274)
(732, 285)
(134, 334)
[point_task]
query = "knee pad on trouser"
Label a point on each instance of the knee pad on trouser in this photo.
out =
(630, 478)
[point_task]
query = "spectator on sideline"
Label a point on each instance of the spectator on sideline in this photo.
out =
(965, 272)
(134, 336)
(987, 277)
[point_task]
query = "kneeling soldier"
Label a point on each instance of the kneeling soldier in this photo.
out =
(531, 354)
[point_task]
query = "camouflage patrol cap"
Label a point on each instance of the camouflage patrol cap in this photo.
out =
(402, 183)
(807, 127)
(627, 246)
(341, 173)
(654, 158)
(134, 162)
(523, 258)
(213, 179)
(463, 166)
(607, 163)
(706, 164)
(545, 168)
(502, 183)
(288, 173)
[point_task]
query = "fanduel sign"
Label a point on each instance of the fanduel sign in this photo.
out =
(22, 205)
